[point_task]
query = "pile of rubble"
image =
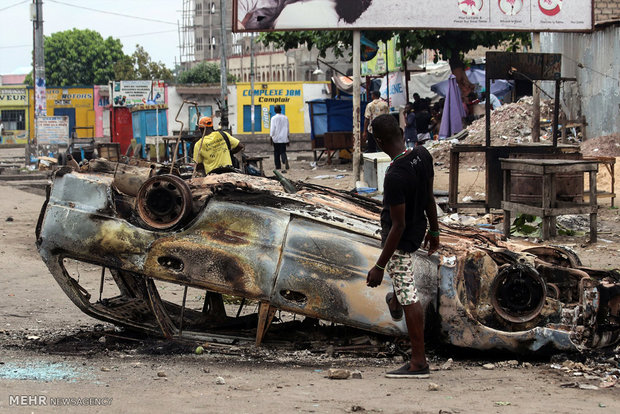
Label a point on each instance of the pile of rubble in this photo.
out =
(510, 124)
(591, 376)
(605, 146)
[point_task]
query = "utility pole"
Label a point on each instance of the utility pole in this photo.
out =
(356, 106)
(224, 68)
(536, 95)
(252, 81)
(38, 66)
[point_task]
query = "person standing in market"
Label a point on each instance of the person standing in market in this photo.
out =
(408, 202)
(279, 133)
(411, 133)
(423, 121)
(377, 107)
(214, 151)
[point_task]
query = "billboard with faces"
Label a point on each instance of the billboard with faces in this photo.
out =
(506, 15)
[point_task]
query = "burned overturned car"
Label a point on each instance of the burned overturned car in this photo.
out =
(304, 249)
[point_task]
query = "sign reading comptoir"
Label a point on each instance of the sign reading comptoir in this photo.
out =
(509, 15)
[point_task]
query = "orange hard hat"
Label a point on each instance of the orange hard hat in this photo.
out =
(205, 122)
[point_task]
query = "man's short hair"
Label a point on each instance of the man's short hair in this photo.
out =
(376, 94)
(385, 128)
(277, 109)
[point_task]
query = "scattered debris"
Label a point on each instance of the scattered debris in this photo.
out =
(607, 145)
(488, 366)
(338, 373)
(510, 125)
(220, 381)
(9, 218)
(356, 374)
(161, 374)
(199, 350)
(433, 387)
(447, 365)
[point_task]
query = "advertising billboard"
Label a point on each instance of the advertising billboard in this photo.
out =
(53, 130)
(509, 15)
(137, 92)
(387, 59)
(289, 95)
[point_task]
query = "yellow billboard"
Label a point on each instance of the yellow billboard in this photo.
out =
(13, 114)
(289, 95)
(72, 101)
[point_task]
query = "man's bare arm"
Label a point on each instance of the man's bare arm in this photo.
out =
(397, 215)
(433, 224)
(238, 148)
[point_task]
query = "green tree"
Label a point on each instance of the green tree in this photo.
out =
(80, 57)
(139, 66)
(204, 72)
(449, 45)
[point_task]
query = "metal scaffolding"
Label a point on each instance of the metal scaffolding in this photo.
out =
(186, 29)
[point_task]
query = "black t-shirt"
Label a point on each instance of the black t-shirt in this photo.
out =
(407, 181)
(422, 121)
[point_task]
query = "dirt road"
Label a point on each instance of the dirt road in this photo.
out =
(50, 351)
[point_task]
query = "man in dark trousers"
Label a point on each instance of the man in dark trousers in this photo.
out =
(279, 133)
(408, 201)
(375, 108)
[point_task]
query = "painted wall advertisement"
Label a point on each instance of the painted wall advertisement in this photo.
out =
(13, 97)
(137, 92)
(77, 103)
(289, 95)
(388, 57)
(507, 15)
(53, 130)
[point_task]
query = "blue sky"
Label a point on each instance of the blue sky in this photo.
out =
(159, 38)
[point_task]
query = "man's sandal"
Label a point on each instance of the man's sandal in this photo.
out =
(403, 372)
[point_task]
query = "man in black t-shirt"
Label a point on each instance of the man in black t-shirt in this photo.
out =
(408, 201)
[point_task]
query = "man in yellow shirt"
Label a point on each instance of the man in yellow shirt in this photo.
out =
(215, 149)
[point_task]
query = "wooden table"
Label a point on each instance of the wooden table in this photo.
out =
(551, 207)
(257, 160)
(609, 163)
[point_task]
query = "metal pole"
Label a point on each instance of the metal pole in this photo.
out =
(536, 95)
(252, 120)
(387, 74)
(356, 106)
(556, 112)
(403, 56)
(224, 68)
(487, 111)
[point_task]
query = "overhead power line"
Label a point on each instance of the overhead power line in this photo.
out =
(15, 46)
(112, 13)
(13, 5)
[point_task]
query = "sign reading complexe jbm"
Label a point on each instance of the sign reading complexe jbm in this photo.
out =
(509, 15)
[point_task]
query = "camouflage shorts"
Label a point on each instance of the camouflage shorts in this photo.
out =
(401, 269)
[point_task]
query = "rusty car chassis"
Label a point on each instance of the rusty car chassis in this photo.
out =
(304, 249)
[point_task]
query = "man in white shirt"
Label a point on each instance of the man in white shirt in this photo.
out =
(279, 132)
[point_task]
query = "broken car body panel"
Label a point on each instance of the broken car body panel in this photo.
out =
(309, 253)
